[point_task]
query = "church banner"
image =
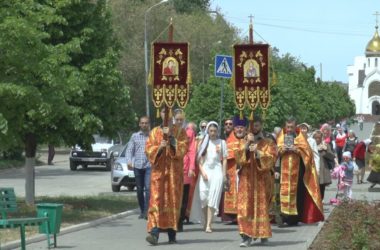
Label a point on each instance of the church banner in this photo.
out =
(170, 74)
(251, 75)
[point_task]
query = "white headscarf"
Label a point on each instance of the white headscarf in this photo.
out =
(347, 154)
(206, 139)
(366, 143)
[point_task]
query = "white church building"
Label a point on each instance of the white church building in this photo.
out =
(364, 79)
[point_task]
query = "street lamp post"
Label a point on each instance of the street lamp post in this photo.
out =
(221, 105)
(146, 56)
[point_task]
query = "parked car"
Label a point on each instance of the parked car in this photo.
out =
(101, 153)
(120, 174)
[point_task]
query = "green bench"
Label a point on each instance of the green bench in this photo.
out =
(8, 205)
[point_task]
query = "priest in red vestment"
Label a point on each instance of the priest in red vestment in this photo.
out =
(256, 158)
(166, 158)
(300, 197)
(234, 141)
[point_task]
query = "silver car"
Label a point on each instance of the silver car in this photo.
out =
(120, 174)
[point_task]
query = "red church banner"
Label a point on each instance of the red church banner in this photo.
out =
(251, 75)
(170, 74)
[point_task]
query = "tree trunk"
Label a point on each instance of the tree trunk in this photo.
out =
(30, 162)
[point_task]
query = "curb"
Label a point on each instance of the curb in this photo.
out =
(70, 229)
(310, 241)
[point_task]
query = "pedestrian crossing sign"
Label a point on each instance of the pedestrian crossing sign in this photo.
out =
(223, 66)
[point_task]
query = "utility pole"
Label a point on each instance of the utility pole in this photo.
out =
(146, 56)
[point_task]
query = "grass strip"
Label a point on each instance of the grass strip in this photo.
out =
(76, 210)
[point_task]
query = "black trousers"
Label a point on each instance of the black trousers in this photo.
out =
(171, 233)
(339, 153)
(185, 199)
(322, 187)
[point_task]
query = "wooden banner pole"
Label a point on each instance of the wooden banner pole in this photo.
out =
(167, 111)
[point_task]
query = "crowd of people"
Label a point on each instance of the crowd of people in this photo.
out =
(185, 177)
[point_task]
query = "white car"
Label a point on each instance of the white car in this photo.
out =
(101, 154)
(120, 174)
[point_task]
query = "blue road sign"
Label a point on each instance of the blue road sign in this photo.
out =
(223, 66)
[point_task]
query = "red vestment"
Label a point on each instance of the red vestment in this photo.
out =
(230, 197)
(166, 185)
(255, 189)
(298, 168)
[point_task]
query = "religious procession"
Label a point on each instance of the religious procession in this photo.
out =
(236, 171)
(177, 124)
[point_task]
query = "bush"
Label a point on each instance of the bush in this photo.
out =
(352, 225)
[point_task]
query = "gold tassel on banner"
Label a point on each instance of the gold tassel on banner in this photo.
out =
(251, 116)
(170, 112)
(157, 113)
(241, 115)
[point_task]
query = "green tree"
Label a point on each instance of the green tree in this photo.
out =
(185, 6)
(90, 22)
(297, 93)
(205, 101)
(207, 33)
(55, 85)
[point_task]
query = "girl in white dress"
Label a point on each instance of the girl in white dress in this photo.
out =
(212, 158)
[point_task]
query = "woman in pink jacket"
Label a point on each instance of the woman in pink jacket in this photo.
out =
(340, 141)
(188, 171)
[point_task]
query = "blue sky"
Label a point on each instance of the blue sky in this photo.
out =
(329, 32)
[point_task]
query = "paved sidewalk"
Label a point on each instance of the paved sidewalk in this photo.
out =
(364, 133)
(129, 233)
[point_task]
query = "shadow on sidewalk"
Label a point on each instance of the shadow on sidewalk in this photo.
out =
(183, 242)
(216, 230)
(278, 243)
(282, 230)
(64, 247)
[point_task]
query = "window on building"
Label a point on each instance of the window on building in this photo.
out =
(375, 108)
(374, 89)
(369, 63)
(361, 77)
(375, 62)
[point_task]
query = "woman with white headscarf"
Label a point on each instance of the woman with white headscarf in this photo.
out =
(212, 158)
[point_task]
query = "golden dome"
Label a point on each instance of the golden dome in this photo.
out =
(373, 46)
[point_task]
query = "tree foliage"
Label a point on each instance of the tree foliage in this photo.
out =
(66, 79)
(207, 34)
(60, 80)
(205, 101)
(186, 6)
(297, 93)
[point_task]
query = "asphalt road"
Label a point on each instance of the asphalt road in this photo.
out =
(58, 179)
(129, 233)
